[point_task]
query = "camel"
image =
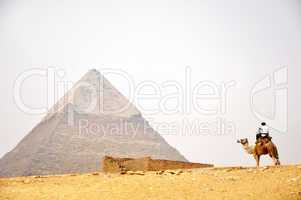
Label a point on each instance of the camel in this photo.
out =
(264, 147)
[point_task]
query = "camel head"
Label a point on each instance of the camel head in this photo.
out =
(243, 141)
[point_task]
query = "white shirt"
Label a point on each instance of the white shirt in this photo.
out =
(263, 129)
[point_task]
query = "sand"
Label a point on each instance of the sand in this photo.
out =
(209, 183)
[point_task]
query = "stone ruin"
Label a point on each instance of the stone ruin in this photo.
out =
(119, 165)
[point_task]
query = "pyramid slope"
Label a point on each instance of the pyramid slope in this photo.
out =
(94, 90)
(57, 146)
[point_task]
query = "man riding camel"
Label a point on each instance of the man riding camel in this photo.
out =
(263, 146)
(263, 132)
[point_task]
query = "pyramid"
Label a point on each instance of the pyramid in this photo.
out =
(91, 120)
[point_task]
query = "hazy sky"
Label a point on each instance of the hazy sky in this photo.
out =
(220, 41)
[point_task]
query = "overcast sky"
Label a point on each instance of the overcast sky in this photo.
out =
(218, 41)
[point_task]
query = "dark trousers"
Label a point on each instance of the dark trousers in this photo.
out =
(261, 135)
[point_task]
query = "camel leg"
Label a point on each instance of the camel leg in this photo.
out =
(274, 160)
(257, 158)
(273, 153)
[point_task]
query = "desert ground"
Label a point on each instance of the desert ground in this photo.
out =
(282, 182)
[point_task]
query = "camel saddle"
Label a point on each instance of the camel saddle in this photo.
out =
(264, 140)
